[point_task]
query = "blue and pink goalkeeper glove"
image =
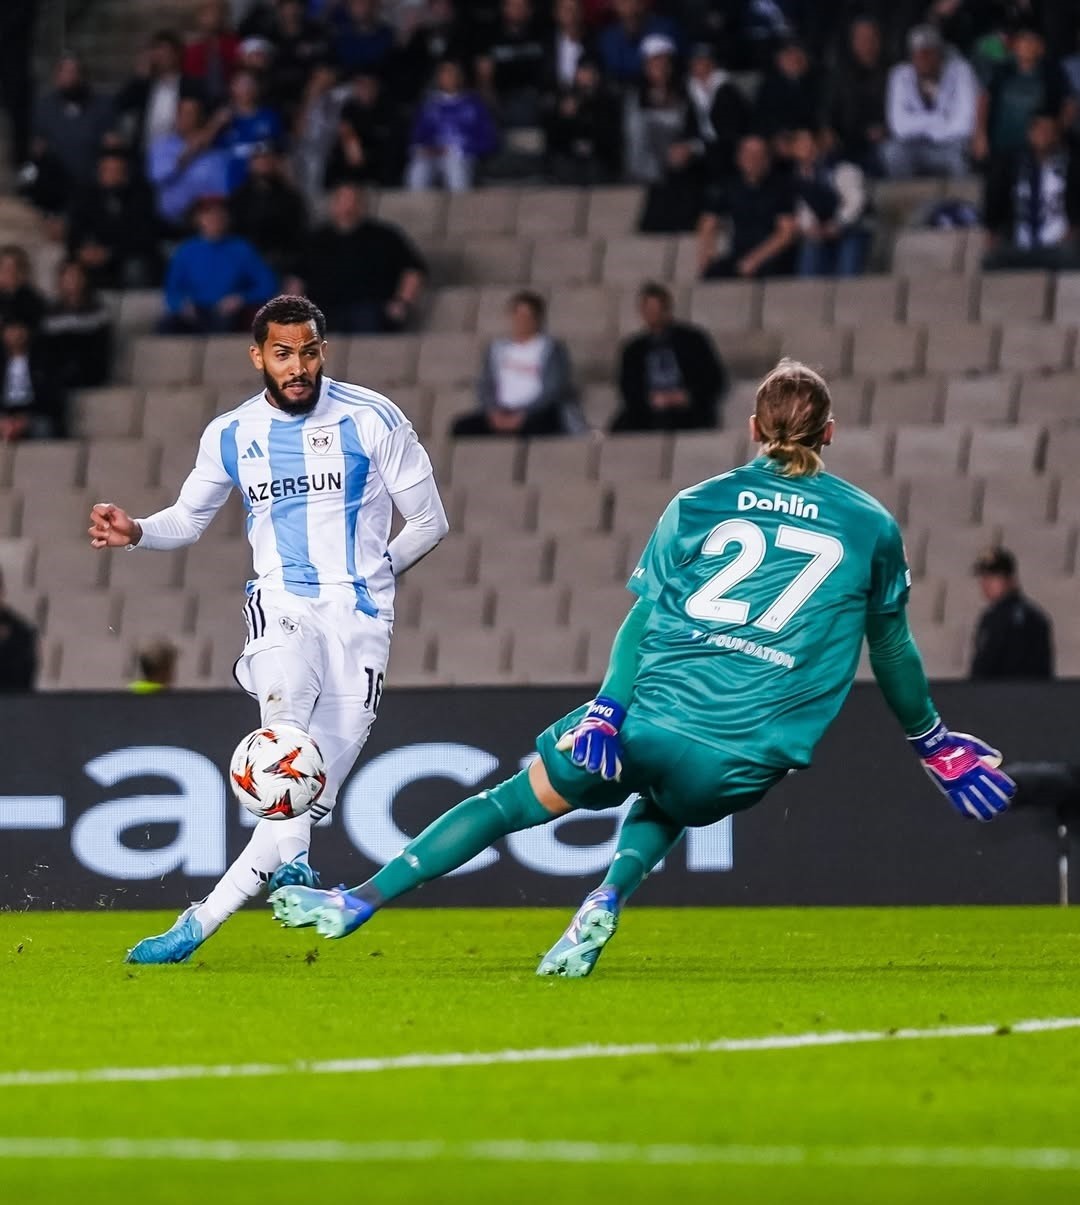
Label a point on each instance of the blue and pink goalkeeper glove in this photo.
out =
(594, 742)
(966, 770)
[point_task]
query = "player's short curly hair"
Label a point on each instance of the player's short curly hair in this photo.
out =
(287, 310)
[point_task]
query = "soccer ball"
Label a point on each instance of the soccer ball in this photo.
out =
(277, 772)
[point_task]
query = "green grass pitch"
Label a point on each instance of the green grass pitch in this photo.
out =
(985, 1119)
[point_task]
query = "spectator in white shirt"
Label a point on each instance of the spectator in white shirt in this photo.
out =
(930, 106)
(525, 385)
(31, 398)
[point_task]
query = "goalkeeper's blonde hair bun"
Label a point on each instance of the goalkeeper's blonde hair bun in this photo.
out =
(793, 408)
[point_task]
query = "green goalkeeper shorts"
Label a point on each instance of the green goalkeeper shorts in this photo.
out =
(692, 783)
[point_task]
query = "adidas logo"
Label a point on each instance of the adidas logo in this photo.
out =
(254, 452)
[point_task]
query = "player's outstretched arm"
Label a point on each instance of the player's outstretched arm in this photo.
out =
(961, 766)
(594, 743)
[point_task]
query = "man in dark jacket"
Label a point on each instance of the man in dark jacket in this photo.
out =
(670, 376)
(112, 230)
(855, 96)
(1013, 637)
(18, 649)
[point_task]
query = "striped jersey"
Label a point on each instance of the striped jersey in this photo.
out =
(317, 490)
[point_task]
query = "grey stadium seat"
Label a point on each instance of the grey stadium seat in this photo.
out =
(932, 297)
(146, 613)
(166, 360)
(475, 461)
(521, 558)
(180, 413)
(860, 300)
(1048, 549)
(451, 310)
(58, 462)
(421, 214)
(612, 211)
(456, 607)
(1017, 497)
(957, 347)
(941, 496)
(494, 260)
(482, 211)
(699, 455)
(472, 655)
(494, 506)
(548, 656)
(529, 608)
(568, 506)
(925, 450)
(1014, 296)
(381, 361)
(888, 350)
(826, 349)
(447, 360)
(550, 211)
(1035, 347)
(585, 310)
(1007, 450)
(1052, 400)
(917, 252)
(726, 305)
(629, 260)
(796, 303)
(584, 560)
(565, 261)
(107, 413)
(556, 458)
(90, 616)
(914, 402)
(985, 399)
(637, 458)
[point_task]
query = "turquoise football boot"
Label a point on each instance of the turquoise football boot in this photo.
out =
(574, 955)
(176, 944)
(296, 873)
(333, 913)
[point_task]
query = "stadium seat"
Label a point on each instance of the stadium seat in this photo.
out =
(531, 608)
(105, 664)
(1066, 300)
(698, 455)
(687, 268)
(1049, 401)
(635, 458)
(926, 603)
(556, 458)
(421, 213)
(984, 399)
(960, 347)
(1014, 297)
(476, 461)
(566, 261)
(600, 403)
(138, 571)
(795, 304)
(217, 566)
(1017, 498)
(748, 353)
(1048, 549)
(113, 463)
(490, 505)
(450, 310)
(826, 349)
(568, 506)
(900, 403)
(888, 350)
(16, 563)
(592, 358)
(166, 360)
(226, 364)
(407, 598)
(411, 660)
(629, 260)
(71, 565)
(548, 656)
(143, 614)
(850, 397)
(932, 297)
(926, 450)
(382, 361)
(637, 510)
(726, 305)
(60, 463)
(492, 310)
(455, 607)
(865, 300)
(1063, 452)
(178, 413)
(139, 310)
(107, 413)
(583, 310)
(951, 552)
(51, 514)
(453, 563)
(1035, 347)
(583, 560)
(11, 510)
(917, 252)
(1005, 450)
(482, 211)
(446, 360)
(550, 211)
(612, 211)
(600, 608)
(494, 260)
(945, 648)
(521, 558)
(859, 454)
(931, 496)
(90, 616)
(472, 655)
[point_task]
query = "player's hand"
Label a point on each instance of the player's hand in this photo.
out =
(966, 770)
(594, 743)
(111, 527)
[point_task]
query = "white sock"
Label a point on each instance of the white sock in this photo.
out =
(246, 876)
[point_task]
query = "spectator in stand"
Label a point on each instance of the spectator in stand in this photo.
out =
(716, 118)
(186, 165)
(670, 376)
(758, 205)
(78, 330)
(146, 107)
(17, 20)
(369, 140)
(112, 230)
(655, 112)
(361, 39)
(526, 384)
(211, 57)
(767, 25)
(1032, 209)
(584, 130)
(19, 299)
(1026, 84)
(72, 121)
(215, 280)
(931, 110)
(1014, 638)
(855, 97)
(156, 661)
(300, 45)
(316, 128)
(268, 209)
(510, 71)
(830, 209)
(432, 34)
(452, 131)
(364, 275)
(619, 44)
(788, 96)
(32, 400)
(570, 42)
(250, 123)
(43, 183)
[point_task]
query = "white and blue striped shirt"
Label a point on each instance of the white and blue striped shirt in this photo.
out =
(317, 491)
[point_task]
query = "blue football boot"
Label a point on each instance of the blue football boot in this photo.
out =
(176, 944)
(296, 873)
(333, 913)
(575, 953)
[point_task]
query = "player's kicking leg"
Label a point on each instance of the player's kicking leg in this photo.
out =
(524, 801)
(644, 839)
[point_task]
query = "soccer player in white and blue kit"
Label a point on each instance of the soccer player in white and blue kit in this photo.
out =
(321, 466)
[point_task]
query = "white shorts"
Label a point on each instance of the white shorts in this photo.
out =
(318, 663)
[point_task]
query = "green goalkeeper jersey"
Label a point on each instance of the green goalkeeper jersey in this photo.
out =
(761, 586)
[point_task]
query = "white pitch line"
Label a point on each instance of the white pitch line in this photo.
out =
(543, 1054)
(194, 1150)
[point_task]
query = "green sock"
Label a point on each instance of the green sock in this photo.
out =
(457, 836)
(644, 839)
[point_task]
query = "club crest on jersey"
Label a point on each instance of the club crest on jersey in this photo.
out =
(320, 440)
(786, 504)
(288, 626)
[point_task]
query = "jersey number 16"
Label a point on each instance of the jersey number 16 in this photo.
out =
(710, 602)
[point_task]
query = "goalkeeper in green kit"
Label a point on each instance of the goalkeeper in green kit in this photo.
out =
(755, 593)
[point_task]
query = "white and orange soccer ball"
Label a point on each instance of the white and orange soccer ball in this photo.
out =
(277, 772)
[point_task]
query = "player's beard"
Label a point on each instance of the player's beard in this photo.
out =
(285, 403)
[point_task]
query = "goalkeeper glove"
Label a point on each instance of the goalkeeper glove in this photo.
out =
(594, 742)
(966, 770)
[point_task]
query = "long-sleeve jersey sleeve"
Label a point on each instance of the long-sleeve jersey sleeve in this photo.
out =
(201, 497)
(899, 671)
(406, 472)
